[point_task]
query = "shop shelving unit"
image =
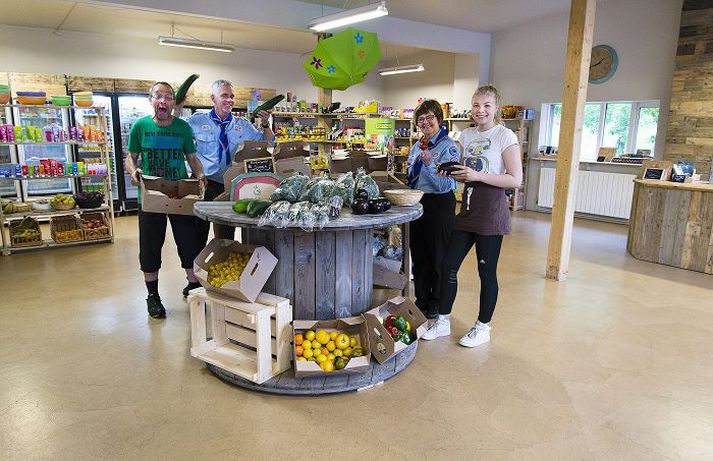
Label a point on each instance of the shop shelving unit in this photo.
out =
(106, 208)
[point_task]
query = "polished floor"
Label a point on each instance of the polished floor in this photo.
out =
(614, 364)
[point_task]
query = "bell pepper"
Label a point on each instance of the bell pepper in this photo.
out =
(400, 323)
(408, 326)
(389, 321)
(393, 332)
(405, 337)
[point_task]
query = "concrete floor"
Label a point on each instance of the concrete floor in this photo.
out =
(615, 363)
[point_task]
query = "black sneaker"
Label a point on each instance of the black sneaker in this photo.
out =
(189, 287)
(155, 307)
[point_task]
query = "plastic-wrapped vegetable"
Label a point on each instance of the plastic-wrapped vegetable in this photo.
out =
(296, 210)
(322, 215)
(308, 217)
(345, 187)
(366, 182)
(334, 206)
(269, 217)
(317, 191)
(377, 244)
(290, 188)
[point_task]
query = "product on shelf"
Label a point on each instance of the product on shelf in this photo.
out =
(65, 229)
(31, 97)
(62, 202)
(94, 226)
(330, 349)
(89, 199)
(25, 232)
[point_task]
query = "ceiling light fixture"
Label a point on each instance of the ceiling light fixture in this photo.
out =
(198, 44)
(364, 13)
(402, 69)
(194, 43)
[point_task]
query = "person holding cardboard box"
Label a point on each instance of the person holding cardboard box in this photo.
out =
(430, 232)
(491, 163)
(217, 135)
(160, 145)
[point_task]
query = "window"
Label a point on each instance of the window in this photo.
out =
(627, 126)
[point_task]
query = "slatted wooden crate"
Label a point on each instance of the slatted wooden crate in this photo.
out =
(251, 340)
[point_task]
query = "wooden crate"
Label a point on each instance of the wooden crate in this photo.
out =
(19, 240)
(251, 340)
(96, 233)
(65, 229)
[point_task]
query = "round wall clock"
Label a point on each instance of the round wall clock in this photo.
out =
(603, 64)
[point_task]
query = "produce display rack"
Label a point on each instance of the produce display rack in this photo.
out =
(107, 208)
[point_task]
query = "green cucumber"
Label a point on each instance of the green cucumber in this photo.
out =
(258, 207)
(183, 89)
(267, 105)
(241, 206)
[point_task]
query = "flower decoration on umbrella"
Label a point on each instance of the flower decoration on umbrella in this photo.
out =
(343, 59)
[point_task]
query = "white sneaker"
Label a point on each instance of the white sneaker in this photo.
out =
(479, 334)
(441, 327)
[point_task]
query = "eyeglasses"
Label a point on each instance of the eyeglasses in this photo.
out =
(425, 119)
(163, 97)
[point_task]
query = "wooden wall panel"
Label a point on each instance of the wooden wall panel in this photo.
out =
(691, 108)
(53, 85)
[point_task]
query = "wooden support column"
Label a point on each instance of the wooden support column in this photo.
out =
(574, 97)
(324, 100)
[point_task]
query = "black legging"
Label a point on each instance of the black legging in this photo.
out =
(487, 250)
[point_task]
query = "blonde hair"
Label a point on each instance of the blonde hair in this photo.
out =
(487, 90)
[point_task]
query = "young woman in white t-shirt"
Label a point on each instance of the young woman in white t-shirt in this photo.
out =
(491, 163)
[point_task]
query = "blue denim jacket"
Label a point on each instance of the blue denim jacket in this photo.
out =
(206, 134)
(442, 150)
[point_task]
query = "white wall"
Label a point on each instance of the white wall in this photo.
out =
(436, 82)
(528, 61)
(106, 55)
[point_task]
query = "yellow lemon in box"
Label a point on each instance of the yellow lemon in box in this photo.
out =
(331, 346)
(307, 353)
(331, 357)
(307, 344)
(309, 335)
(328, 366)
(322, 336)
(301, 359)
(333, 335)
(348, 351)
(338, 353)
(321, 358)
(352, 341)
(316, 343)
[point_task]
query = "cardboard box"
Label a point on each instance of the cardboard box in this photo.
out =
(159, 195)
(349, 325)
(290, 159)
(254, 276)
(249, 150)
(383, 346)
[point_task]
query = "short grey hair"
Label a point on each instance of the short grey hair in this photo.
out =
(215, 88)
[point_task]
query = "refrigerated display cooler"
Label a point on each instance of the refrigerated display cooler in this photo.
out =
(88, 120)
(130, 109)
(42, 117)
(8, 187)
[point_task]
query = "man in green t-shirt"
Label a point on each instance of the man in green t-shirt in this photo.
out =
(160, 145)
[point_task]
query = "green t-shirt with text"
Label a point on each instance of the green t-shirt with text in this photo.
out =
(162, 149)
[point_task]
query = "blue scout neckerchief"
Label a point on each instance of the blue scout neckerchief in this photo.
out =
(223, 138)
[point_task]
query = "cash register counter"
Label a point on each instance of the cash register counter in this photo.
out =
(672, 224)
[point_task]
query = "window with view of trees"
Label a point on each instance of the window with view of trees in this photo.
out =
(626, 126)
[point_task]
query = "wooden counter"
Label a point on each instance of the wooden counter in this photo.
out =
(672, 224)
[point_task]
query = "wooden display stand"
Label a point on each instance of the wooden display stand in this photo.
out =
(250, 340)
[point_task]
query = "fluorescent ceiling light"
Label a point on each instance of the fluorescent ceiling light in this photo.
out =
(402, 69)
(198, 44)
(332, 21)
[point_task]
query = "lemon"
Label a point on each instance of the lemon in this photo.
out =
(331, 357)
(307, 353)
(301, 359)
(316, 343)
(333, 335)
(311, 359)
(352, 341)
(338, 353)
(321, 358)
(309, 335)
(331, 346)
(307, 344)
(322, 336)
(328, 366)
(348, 351)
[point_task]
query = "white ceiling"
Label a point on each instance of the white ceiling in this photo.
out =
(68, 16)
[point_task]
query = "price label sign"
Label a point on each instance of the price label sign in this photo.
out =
(259, 165)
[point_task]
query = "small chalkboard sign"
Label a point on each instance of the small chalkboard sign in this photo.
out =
(653, 173)
(259, 165)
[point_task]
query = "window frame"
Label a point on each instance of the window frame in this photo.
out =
(636, 106)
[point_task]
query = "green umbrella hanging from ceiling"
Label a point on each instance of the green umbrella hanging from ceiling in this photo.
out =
(343, 59)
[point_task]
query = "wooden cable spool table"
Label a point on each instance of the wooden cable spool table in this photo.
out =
(325, 274)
